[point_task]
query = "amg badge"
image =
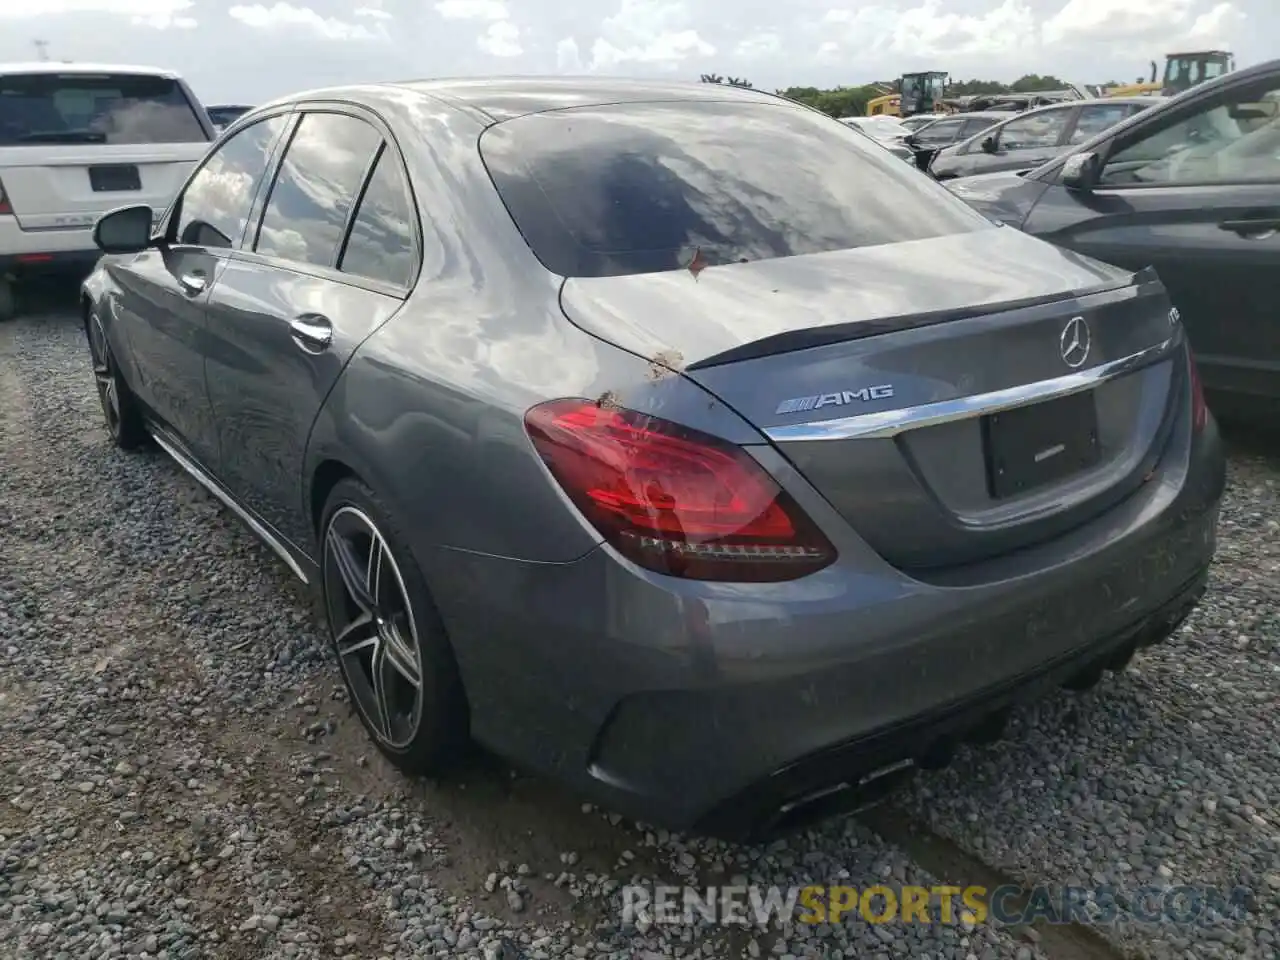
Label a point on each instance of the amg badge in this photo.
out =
(803, 404)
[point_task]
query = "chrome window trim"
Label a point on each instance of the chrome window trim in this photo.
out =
(890, 423)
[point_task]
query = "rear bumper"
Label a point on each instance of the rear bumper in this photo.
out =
(712, 706)
(31, 252)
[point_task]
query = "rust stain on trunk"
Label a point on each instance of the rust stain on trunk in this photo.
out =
(665, 363)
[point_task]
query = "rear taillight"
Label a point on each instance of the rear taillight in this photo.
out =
(1199, 409)
(4, 202)
(673, 499)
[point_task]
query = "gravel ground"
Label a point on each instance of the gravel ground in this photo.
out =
(181, 776)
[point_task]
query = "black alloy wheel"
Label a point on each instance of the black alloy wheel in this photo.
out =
(119, 409)
(398, 667)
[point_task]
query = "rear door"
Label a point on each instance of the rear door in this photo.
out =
(164, 291)
(73, 145)
(334, 257)
(1196, 194)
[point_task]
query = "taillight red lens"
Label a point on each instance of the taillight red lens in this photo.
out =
(4, 202)
(675, 500)
(1199, 409)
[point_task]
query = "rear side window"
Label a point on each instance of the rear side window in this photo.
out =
(972, 127)
(1094, 119)
(214, 209)
(316, 187)
(944, 131)
(1036, 131)
(380, 245)
(111, 108)
(643, 187)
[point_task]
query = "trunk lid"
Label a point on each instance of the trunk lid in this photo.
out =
(53, 187)
(863, 367)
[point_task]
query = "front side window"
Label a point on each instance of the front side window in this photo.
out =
(92, 108)
(1034, 132)
(1234, 138)
(944, 131)
(380, 245)
(320, 175)
(214, 208)
(1094, 119)
(644, 187)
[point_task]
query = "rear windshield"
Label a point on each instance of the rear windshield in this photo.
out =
(52, 108)
(644, 187)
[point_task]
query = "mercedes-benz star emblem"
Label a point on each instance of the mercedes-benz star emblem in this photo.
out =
(1075, 342)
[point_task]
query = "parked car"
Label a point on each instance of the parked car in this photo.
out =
(76, 140)
(920, 119)
(723, 532)
(1028, 139)
(880, 128)
(1189, 188)
(889, 132)
(927, 140)
(225, 114)
(896, 147)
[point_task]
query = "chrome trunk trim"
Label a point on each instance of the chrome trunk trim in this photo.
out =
(890, 423)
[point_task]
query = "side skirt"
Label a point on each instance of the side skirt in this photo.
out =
(209, 483)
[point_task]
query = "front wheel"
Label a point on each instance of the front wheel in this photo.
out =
(387, 637)
(119, 407)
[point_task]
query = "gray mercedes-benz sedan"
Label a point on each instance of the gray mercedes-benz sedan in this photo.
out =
(672, 440)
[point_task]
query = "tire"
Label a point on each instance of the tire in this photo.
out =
(120, 409)
(391, 632)
(8, 302)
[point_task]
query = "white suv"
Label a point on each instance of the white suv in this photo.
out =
(77, 140)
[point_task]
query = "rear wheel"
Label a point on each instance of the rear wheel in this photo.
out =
(388, 639)
(120, 409)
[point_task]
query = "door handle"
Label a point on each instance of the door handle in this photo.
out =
(192, 283)
(311, 332)
(1259, 228)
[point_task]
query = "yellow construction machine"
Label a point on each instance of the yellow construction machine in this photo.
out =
(1182, 71)
(917, 93)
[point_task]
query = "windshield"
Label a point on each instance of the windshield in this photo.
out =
(1215, 68)
(53, 108)
(1183, 73)
(646, 187)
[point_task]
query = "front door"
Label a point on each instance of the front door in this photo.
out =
(1197, 196)
(166, 291)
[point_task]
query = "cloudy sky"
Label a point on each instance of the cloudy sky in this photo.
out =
(244, 51)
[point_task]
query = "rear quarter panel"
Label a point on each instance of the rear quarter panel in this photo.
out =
(429, 411)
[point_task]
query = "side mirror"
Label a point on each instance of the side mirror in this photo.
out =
(1080, 172)
(124, 230)
(989, 145)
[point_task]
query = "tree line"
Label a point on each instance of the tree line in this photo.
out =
(852, 101)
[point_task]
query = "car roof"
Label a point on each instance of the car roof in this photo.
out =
(52, 66)
(503, 98)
